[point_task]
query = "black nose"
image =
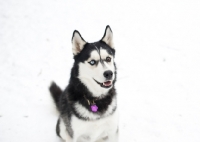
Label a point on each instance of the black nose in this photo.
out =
(108, 74)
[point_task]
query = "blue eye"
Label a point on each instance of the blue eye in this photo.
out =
(92, 62)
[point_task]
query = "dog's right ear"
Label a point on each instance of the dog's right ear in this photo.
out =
(77, 42)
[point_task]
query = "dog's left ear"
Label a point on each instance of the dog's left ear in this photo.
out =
(78, 42)
(108, 37)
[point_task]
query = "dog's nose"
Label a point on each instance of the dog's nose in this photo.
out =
(108, 74)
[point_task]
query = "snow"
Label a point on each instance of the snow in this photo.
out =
(158, 59)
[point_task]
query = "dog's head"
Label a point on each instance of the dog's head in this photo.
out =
(95, 62)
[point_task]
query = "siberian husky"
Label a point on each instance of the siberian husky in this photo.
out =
(88, 105)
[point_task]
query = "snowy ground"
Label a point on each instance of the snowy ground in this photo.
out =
(158, 58)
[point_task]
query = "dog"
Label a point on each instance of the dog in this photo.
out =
(88, 106)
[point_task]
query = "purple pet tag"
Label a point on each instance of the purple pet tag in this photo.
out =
(94, 108)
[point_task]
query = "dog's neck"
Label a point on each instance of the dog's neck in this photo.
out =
(80, 90)
(78, 95)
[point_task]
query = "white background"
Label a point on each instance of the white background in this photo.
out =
(157, 53)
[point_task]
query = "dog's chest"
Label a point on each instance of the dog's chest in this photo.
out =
(95, 129)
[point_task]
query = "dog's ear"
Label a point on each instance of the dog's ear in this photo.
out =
(108, 36)
(77, 42)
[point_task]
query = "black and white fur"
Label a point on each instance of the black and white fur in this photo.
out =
(93, 78)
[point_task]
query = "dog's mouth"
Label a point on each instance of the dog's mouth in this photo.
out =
(106, 84)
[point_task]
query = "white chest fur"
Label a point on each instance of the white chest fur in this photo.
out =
(92, 131)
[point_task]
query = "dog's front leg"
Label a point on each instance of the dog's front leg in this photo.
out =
(74, 139)
(68, 139)
(112, 137)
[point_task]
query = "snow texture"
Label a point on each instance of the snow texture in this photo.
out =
(158, 59)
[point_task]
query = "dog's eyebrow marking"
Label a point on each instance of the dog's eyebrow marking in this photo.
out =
(97, 49)
(101, 61)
